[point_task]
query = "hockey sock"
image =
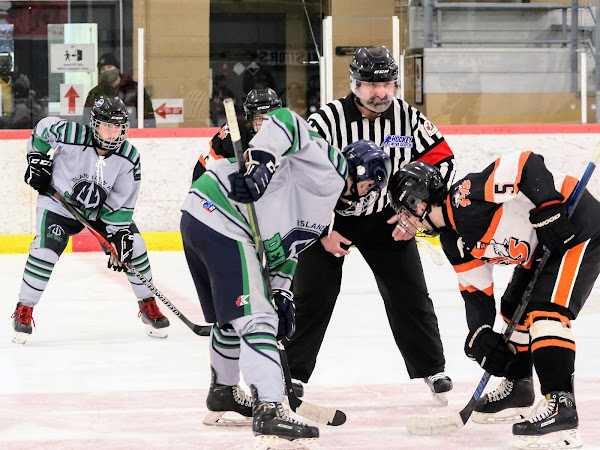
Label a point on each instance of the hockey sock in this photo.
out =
(225, 354)
(522, 367)
(36, 275)
(553, 350)
(140, 261)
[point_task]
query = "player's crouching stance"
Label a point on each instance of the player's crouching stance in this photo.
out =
(98, 171)
(500, 216)
(294, 179)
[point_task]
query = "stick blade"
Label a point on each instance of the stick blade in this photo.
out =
(321, 414)
(427, 426)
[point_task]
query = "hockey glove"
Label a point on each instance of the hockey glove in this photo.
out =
(248, 187)
(487, 348)
(39, 171)
(553, 227)
(122, 240)
(286, 311)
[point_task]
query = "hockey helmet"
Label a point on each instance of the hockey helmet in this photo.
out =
(366, 162)
(415, 183)
(111, 111)
(260, 101)
(373, 64)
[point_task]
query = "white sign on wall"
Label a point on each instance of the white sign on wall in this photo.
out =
(168, 110)
(72, 58)
(71, 99)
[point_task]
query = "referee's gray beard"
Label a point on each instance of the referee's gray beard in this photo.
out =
(381, 106)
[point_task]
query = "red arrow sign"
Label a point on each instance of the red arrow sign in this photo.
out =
(163, 110)
(72, 95)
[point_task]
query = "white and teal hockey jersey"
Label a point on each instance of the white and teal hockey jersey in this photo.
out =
(297, 204)
(102, 188)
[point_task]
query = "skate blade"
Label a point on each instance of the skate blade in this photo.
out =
(512, 415)
(159, 333)
(20, 338)
(559, 439)
(441, 398)
(266, 442)
(216, 418)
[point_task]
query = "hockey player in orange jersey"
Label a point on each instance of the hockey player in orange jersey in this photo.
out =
(499, 216)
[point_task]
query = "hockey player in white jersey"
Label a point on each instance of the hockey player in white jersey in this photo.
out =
(97, 171)
(295, 179)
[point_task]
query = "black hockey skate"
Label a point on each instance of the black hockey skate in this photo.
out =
(439, 383)
(510, 402)
(554, 424)
(222, 399)
(153, 318)
(298, 388)
(22, 320)
(271, 422)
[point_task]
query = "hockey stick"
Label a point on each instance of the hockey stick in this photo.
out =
(200, 330)
(320, 414)
(439, 425)
(436, 256)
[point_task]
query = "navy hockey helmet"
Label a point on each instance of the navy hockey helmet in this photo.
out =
(366, 162)
(110, 111)
(415, 183)
(260, 101)
(373, 64)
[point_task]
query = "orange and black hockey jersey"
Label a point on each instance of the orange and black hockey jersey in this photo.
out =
(488, 213)
(222, 147)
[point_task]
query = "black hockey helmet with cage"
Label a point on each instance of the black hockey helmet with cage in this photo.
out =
(366, 162)
(112, 111)
(260, 101)
(373, 64)
(415, 183)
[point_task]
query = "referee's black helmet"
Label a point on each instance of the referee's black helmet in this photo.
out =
(373, 64)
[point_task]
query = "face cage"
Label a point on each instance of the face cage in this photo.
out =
(360, 205)
(109, 145)
(408, 226)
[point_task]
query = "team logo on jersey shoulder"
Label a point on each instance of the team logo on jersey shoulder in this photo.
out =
(459, 198)
(224, 131)
(430, 128)
(394, 140)
(511, 251)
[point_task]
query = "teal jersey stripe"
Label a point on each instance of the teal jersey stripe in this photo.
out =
(245, 280)
(40, 145)
(211, 189)
(116, 217)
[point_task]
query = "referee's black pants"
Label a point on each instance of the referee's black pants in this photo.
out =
(399, 275)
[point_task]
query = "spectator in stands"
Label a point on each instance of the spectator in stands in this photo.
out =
(113, 83)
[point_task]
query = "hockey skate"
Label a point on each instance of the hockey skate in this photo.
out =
(439, 383)
(554, 424)
(510, 402)
(224, 399)
(153, 319)
(22, 320)
(271, 422)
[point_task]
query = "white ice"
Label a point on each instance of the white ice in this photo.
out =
(89, 377)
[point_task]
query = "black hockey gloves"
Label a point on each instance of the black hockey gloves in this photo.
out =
(39, 171)
(122, 240)
(487, 348)
(553, 227)
(286, 311)
(250, 186)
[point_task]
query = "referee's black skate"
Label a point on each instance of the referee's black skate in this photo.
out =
(223, 399)
(271, 422)
(553, 425)
(439, 383)
(153, 319)
(510, 402)
(22, 320)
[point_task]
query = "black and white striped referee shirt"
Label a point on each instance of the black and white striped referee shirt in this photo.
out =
(401, 131)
